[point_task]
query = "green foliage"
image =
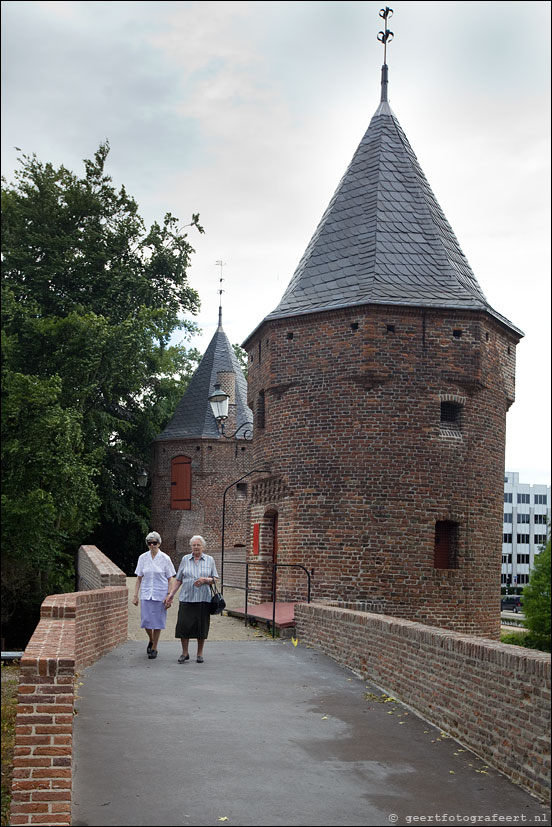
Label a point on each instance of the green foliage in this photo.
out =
(241, 356)
(536, 598)
(525, 639)
(90, 299)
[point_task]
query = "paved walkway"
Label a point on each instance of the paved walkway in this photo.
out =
(266, 733)
(222, 628)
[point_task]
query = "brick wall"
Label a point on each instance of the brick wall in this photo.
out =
(74, 631)
(363, 468)
(493, 697)
(215, 465)
(96, 571)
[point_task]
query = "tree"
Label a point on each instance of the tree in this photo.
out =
(241, 356)
(90, 299)
(536, 598)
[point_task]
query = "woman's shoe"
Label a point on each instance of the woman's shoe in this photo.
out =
(183, 658)
(152, 654)
(150, 647)
(199, 659)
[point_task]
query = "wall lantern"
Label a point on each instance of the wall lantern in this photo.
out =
(143, 478)
(219, 404)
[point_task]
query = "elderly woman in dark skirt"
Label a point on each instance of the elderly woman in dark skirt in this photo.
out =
(195, 574)
(154, 576)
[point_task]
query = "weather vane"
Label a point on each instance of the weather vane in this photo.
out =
(387, 35)
(220, 264)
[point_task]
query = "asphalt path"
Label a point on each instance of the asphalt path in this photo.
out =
(267, 733)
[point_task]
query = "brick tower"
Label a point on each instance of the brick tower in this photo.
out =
(380, 385)
(193, 463)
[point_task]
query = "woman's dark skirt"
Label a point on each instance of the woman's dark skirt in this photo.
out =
(193, 620)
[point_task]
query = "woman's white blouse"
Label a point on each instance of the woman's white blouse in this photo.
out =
(155, 573)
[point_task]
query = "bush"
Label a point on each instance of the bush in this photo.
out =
(525, 639)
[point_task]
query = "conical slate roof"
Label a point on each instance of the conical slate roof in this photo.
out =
(383, 238)
(193, 418)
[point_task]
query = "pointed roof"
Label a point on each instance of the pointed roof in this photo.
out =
(193, 418)
(383, 239)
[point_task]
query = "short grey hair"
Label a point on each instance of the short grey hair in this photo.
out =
(198, 537)
(153, 535)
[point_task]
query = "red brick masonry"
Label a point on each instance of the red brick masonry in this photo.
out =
(493, 697)
(74, 631)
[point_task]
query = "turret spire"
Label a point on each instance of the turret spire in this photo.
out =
(384, 37)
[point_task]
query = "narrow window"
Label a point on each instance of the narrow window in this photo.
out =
(445, 554)
(261, 410)
(289, 335)
(181, 483)
(390, 328)
(242, 489)
(450, 413)
(457, 334)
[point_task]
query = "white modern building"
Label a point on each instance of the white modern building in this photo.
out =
(525, 529)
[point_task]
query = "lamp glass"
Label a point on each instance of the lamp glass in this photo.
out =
(219, 403)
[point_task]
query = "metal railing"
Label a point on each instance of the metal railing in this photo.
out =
(275, 566)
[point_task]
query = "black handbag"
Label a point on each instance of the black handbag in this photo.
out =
(218, 603)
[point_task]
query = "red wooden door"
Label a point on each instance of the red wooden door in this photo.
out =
(181, 483)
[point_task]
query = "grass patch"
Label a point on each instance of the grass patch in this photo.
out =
(10, 682)
(525, 639)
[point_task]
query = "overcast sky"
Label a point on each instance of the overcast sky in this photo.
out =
(249, 113)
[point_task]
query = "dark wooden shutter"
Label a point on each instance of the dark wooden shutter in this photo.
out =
(181, 483)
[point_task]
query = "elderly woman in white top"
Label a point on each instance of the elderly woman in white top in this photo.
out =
(195, 574)
(154, 579)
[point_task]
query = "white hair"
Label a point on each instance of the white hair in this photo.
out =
(198, 537)
(153, 535)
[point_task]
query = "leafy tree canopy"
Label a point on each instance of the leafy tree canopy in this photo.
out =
(90, 299)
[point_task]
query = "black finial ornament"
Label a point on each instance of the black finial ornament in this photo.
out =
(384, 37)
(387, 35)
(220, 264)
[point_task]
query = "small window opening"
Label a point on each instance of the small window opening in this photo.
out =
(487, 337)
(289, 334)
(451, 413)
(242, 489)
(354, 326)
(508, 350)
(390, 328)
(457, 334)
(259, 350)
(445, 552)
(261, 410)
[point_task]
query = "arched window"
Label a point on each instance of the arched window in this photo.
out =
(181, 483)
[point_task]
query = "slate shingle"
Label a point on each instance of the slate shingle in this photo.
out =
(383, 220)
(193, 418)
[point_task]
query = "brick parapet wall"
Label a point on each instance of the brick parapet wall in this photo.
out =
(96, 571)
(493, 697)
(74, 631)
